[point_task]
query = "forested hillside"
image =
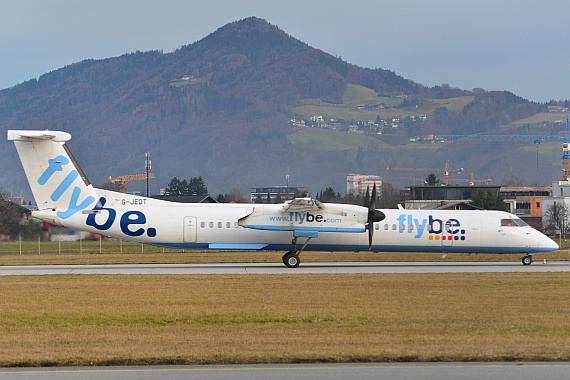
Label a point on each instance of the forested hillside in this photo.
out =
(221, 107)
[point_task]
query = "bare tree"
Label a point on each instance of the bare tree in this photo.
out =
(557, 219)
(389, 196)
(235, 196)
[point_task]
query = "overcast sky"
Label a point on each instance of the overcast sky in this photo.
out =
(519, 46)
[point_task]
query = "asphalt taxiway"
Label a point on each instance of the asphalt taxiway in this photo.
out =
(331, 371)
(278, 268)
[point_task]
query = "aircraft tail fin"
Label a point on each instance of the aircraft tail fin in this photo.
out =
(56, 180)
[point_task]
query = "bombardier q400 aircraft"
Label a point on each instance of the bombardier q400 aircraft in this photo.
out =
(65, 197)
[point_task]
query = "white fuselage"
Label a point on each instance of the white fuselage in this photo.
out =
(216, 226)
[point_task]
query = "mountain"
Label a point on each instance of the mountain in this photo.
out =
(220, 108)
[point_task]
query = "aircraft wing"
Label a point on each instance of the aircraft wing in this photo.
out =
(303, 204)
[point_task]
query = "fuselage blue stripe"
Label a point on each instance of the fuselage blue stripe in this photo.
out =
(358, 248)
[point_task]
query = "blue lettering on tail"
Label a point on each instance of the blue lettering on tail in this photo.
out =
(73, 206)
(54, 165)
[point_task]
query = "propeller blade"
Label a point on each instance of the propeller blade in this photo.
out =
(366, 200)
(373, 199)
(371, 211)
(373, 215)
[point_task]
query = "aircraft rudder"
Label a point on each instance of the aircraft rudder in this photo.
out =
(56, 180)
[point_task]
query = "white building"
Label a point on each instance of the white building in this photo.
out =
(356, 184)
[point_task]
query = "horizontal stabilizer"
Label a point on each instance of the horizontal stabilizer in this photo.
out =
(24, 135)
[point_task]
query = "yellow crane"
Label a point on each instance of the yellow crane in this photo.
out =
(473, 180)
(20, 197)
(126, 178)
(445, 171)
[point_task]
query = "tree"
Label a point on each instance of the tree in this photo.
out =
(174, 187)
(329, 195)
(556, 219)
(488, 201)
(235, 196)
(389, 196)
(196, 186)
(514, 181)
(432, 180)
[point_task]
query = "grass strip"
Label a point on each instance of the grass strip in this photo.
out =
(115, 252)
(166, 319)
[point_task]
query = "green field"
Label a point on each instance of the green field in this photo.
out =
(357, 94)
(328, 140)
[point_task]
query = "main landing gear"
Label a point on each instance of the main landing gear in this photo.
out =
(527, 260)
(291, 258)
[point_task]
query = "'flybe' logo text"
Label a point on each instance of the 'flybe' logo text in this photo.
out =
(436, 228)
(128, 219)
(56, 165)
(302, 217)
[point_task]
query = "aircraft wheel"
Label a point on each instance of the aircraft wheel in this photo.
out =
(291, 260)
(527, 260)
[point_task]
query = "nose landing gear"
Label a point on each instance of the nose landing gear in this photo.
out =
(527, 260)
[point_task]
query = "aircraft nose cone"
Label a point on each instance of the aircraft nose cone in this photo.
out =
(548, 243)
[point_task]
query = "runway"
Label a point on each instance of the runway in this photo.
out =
(279, 268)
(330, 371)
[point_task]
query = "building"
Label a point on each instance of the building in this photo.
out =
(525, 202)
(417, 197)
(277, 193)
(561, 197)
(356, 184)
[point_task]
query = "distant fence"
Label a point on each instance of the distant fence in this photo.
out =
(102, 246)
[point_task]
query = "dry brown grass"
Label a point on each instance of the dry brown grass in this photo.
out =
(82, 320)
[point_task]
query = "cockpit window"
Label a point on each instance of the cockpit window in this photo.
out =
(513, 223)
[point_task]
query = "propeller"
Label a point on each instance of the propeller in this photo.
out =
(373, 214)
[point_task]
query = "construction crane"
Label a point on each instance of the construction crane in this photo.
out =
(472, 180)
(126, 178)
(20, 197)
(489, 136)
(445, 171)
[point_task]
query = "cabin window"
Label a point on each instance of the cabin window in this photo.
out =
(202, 224)
(394, 227)
(411, 227)
(211, 224)
(508, 223)
(386, 227)
(377, 227)
(420, 227)
(228, 225)
(402, 227)
(236, 225)
(219, 224)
